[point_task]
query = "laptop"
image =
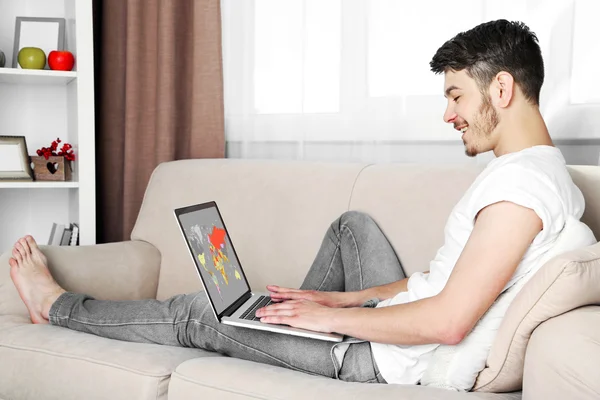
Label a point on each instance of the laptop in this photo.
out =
(221, 273)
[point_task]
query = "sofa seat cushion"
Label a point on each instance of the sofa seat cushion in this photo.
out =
(233, 379)
(48, 362)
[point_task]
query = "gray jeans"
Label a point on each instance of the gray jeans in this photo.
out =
(354, 255)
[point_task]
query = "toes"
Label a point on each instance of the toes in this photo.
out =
(12, 262)
(25, 245)
(16, 254)
(21, 249)
(31, 242)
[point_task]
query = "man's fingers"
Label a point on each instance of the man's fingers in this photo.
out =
(275, 309)
(276, 289)
(291, 296)
(279, 289)
(282, 305)
(283, 320)
(288, 312)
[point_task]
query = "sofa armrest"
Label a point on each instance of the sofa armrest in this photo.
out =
(113, 271)
(562, 356)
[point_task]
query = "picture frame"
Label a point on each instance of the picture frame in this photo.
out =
(14, 159)
(46, 33)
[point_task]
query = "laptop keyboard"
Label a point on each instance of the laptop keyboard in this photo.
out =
(250, 313)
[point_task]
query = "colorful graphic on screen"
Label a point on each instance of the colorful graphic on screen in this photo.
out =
(214, 258)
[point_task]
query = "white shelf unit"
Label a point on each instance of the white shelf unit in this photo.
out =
(38, 185)
(36, 77)
(43, 105)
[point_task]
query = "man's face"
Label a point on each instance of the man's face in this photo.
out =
(470, 112)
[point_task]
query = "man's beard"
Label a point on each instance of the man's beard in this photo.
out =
(483, 125)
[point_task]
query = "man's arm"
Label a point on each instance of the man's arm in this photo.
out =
(384, 292)
(501, 236)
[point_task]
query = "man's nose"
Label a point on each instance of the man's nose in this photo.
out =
(449, 115)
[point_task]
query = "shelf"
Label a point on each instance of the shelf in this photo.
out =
(36, 76)
(38, 185)
(43, 104)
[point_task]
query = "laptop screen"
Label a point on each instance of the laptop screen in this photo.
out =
(213, 254)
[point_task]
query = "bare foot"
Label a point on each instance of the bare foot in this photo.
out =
(30, 274)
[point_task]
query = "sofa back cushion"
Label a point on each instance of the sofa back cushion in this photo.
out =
(411, 204)
(277, 212)
(587, 178)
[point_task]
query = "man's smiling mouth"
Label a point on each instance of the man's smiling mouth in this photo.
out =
(463, 129)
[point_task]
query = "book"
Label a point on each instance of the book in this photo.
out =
(64, 234)
(74, 235)
(66, 237)
(52, 233)
(56, 234)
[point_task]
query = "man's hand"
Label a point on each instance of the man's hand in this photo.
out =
(299, 314)
(327, 299)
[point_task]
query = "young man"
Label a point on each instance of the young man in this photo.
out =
(507, 220)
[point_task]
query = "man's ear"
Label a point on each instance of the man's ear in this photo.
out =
(502, 88)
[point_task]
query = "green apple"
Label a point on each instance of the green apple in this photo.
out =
(32, 58)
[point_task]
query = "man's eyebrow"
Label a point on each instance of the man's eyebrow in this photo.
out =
(450, 88)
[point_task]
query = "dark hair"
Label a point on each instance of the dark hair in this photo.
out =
(493, 47)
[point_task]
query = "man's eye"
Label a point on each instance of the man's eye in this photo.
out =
(456, 99)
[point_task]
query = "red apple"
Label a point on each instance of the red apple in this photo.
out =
(61, 60)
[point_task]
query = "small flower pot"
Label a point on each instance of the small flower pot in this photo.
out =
(55, 168)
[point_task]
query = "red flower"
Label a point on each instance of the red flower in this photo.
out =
(66, 150)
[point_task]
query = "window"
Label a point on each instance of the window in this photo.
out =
(297, 56)
(359, 70)
(585, 73)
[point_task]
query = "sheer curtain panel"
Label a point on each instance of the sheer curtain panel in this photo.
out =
(349, 80)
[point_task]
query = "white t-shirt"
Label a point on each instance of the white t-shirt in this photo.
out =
(536, 178)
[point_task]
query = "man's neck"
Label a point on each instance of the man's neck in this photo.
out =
(523, 130)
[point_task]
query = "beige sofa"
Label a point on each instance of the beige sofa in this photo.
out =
(277, 213)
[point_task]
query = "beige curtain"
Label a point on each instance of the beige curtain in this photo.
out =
(159, 97)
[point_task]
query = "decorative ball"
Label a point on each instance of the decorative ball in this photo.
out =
(32, 58)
